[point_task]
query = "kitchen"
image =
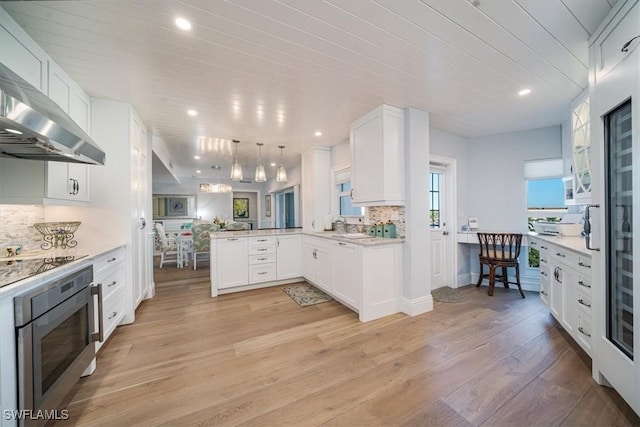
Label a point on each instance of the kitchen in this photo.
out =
(489, 159)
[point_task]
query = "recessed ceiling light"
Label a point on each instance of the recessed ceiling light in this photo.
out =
(198, 171)
(318, 133)
(192, 113)
(183, 24)
(273, 164)
(196, 157)
(524, 92)
(13, 131)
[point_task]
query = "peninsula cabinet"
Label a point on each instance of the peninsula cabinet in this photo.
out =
(377, 158)
(288, 257)
(346, 280)
(232, 262)
(316, 262)
(614, 77)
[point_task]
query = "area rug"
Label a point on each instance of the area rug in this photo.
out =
(306, 294)
(447, 294)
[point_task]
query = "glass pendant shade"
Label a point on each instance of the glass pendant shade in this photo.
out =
(215, 188)
(281, 174)
(261, 175)
(236, 169)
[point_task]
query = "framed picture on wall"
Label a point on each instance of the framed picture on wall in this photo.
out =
(240, 208)
(267, 204)
(177, 206)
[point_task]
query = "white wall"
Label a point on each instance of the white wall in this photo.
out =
(496, 187)
(341, 154)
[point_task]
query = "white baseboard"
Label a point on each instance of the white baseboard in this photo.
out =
(463, 279)
(416, 306)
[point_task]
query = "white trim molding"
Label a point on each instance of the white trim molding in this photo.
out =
(416, 306)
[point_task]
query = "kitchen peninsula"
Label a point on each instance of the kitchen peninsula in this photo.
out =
(361, 272)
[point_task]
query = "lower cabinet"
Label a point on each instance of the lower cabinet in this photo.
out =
(109, 272)
(288, 257)
(346, 273)
(232, 263)
(316, 262)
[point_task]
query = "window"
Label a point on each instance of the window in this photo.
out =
(435, 179)
(545, 196)
(344, 198)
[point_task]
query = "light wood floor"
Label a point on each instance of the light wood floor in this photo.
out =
(257, 358)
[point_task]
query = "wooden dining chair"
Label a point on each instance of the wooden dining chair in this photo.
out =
(499, 250)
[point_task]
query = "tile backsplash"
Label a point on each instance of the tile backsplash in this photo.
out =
(16, 226)
(385, 213)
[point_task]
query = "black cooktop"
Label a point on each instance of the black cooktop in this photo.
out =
(12, 271)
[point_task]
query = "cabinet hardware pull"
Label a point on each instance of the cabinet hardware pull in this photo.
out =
(581, 283)
(561, 255)
(542, 273)
(262, 250)
(342, 244)
(112, 259)
(543, 292)
(114, 314)
(277, 241)
(262, 272)
(582, 264)
(262, 259)
(262, 240)
(583, 332)
(586, 228)
(543, 247)
(581, 301)
(351, 194)
(232, 239)
(543, 260)
(112, 284)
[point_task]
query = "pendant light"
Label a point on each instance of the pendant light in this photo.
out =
(281, 175)
(236, 169)
(261, 176)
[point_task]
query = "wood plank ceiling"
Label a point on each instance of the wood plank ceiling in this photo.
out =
(278, 71)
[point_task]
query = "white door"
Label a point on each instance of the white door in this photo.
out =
(439, 230)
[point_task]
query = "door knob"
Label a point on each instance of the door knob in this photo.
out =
(445, 233)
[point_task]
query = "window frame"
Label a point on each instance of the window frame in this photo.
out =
(340, 176)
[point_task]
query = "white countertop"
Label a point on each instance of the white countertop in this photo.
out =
(574, 243)
(331, 235)
(250, 233)
(90, 251)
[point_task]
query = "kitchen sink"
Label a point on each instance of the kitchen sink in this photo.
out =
(352, 235)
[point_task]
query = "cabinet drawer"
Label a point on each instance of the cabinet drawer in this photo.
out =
(262, 240)
(112, 311)
(262, 273)
(584, 285)
(543, 247)
(584, 265)
(583, 333)
(262, 249)
(107, 260)
(584, 302)
(565, 256)
(111, 279)
(262, 259)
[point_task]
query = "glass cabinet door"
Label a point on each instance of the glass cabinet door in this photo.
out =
(619, 237)
(581, 141)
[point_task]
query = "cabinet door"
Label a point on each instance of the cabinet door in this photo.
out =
(288, 257)
(59, 186)
(233, 262)
(59, 86)
(79, 175)
(367, 171)
(346, 280)
(325, 270)
(309, 264)
(569, 299)
(555, 297)
(21, 54)
(80, 108)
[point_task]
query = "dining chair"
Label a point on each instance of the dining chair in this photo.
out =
(499, 250)
(165, 246)
(202, 238)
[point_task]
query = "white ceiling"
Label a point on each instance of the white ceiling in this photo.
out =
(277, 71)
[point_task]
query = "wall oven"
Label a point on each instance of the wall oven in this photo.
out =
(55, 340)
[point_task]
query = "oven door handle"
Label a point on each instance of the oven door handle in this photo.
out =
(99, 336)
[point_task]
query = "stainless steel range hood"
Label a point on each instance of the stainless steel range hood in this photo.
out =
(32, 126)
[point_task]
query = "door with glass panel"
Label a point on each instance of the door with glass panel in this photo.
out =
(438, 225)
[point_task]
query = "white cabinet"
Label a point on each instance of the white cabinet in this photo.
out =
(316, 188)
(317, 265)
(21, 54)
(68, 181)
(581, 149)
(545, 275)
(232, 262)
(288, 257)
(109, 272)
(346, 258)
(377, 158)
(262, 259)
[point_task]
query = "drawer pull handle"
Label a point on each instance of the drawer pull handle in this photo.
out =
(262, 250)
(543, 260)
(582, 264)
(543, 247)
(542, 273)
(262, 273)
(112, 259)
(342, 244)
(114, 314)
(262, 240)
(232, 239)
(543, 292)
(262, 259)
(112, 284)
(561, 255)
(581, 283)
(581, 301)
(583, 332)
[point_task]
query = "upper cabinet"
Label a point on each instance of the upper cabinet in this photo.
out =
(68, 95)
(21, 54)
(316, 189)
(377, 158)
(581, 149)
